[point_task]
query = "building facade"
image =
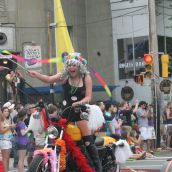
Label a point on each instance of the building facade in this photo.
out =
(90, 28)
(131, 40)
(113, 35)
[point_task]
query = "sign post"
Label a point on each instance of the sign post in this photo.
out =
(127, 93)
(165, 86)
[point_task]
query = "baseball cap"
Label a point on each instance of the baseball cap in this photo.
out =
(9, 105)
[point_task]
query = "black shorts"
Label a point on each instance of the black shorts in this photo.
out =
(21, 147)
(73, 116)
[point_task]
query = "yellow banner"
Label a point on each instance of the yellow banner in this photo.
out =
(62, 38)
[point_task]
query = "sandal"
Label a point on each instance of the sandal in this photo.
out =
(143, 156)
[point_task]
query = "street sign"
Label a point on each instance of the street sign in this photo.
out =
(165, 86)
(127, 93)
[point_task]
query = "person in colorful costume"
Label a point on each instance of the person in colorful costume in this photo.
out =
(77, 88)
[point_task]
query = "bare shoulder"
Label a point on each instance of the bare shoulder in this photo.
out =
(88, 80)
(88, 77)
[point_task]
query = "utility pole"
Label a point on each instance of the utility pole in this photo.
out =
(49, 54)
(153, 48)
(153, 42)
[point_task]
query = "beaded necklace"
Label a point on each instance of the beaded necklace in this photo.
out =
(74, 87)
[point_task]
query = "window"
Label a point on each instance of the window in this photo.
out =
(126, 58)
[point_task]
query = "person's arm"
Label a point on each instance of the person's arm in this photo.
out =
(88, 93)
(19, 74)
(13, 76)
(136, 106)
(118, 123)
(9, 77)
(111, 128)
(24, 131)
(140, 139)
(42, 125)
(4, 130)
(146, 114)
(45, 78)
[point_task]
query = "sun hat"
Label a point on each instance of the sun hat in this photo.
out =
(9, 105)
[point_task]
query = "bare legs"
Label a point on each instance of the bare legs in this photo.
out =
(169, 140)
(22, 154)
(89, 144)
(6, 158)
(83, 126)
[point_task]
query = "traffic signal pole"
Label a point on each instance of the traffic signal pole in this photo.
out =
(153, 49)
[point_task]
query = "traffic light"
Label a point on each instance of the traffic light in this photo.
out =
(165, 62)
(148, 59)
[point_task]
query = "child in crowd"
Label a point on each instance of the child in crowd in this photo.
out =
(134, 141)
(116, 120)
(52, 111)
(125, 134)
(22, 138)
(108, 115)
(135, 138)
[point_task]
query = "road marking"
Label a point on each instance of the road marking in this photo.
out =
(168, 157)
(16, 170)
(145, 166)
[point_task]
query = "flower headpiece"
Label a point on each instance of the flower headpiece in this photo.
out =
(74, 59)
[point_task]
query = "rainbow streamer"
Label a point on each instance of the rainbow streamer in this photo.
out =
(102, 81)
(56, 60)
(22, 59)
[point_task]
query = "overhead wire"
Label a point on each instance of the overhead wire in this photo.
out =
(89, 23)
(119, 9)
(93, 22)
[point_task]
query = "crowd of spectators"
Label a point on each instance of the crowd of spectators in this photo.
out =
(132, 123)
(15, 86)
(22, 131)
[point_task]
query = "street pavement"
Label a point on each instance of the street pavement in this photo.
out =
(147, 165)
(11, 169)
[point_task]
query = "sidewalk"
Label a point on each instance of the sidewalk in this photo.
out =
(11, 169)
(155, 164)
(147, 165)
(164, 153)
